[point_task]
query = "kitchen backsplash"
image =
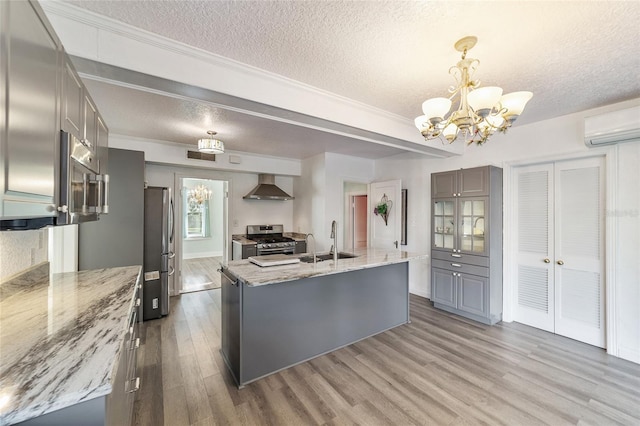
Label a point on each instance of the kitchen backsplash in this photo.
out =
(20, 250)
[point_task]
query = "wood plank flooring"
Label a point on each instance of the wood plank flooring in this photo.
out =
(440, 369)
(200, 274)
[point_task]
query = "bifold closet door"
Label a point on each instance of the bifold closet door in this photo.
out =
(560, 270)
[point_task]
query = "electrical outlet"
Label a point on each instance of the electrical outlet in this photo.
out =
(155, 303)
(235, 223)
(33, 256)
(41, 239)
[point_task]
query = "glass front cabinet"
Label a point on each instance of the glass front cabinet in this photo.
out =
(459, 225)
(466, 228)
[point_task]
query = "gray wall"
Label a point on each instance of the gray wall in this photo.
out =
(117, 238)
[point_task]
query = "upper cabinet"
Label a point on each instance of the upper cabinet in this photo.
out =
(42, 94)
(30, 71)
(460, 183)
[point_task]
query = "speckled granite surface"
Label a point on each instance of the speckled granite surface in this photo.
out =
(255, 275)
(60, 338)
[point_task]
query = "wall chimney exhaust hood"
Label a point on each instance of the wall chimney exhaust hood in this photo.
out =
(267, 190)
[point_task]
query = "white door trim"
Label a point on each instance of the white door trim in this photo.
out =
(610, 153)
(177, 201)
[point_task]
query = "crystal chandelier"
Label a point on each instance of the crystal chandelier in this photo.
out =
(481, 111)
(199, 194)
(211, 145)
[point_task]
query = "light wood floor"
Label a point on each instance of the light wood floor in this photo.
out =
(200, 274)
(440, 370)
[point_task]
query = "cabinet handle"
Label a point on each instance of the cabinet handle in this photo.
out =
(456, 255)
(136, 387)
(547, 260)
(457, 265)
(136, 345)
(137, 302)
(560, 262)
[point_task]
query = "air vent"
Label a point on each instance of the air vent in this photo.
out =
(197, 155)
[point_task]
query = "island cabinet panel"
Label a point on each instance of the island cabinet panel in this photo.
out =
(271, 327)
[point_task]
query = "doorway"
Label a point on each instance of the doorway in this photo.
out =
(203, 233)
(559, 268)
(356, 202)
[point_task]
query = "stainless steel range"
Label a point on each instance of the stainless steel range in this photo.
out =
(269, 239)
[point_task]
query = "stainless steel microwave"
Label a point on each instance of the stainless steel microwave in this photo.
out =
(84, 192)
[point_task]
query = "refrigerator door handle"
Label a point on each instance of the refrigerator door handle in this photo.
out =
(173, 225)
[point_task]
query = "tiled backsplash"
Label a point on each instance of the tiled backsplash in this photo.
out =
(19, 250)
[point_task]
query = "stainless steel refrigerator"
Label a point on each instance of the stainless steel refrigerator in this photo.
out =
(158, 251)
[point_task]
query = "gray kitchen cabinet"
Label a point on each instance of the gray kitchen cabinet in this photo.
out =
(460, 183)
(301, 247)
(30, 71)
(243, 251)
(72, 101)
(466, 243)
(80, 115)
(41, 94)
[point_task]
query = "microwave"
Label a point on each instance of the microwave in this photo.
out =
(84, 192)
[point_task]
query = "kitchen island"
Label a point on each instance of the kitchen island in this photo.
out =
(67, 344)
(279, 316)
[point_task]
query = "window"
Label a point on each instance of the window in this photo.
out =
(196, 216)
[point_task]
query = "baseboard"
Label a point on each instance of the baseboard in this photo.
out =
(629, 354)
(202, 254)
(424, 294)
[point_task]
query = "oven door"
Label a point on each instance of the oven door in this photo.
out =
(275, 250)
(83, 192)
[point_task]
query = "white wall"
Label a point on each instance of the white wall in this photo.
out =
(545, 141)
(213, 245)
(320, 194)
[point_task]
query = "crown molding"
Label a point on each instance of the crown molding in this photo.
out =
(101, 22)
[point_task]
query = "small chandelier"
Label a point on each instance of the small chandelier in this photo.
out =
(211, 145)
(481, 111)
(199, 194)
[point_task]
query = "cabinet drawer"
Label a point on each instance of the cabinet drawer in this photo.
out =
(460, 267)
(467, 259)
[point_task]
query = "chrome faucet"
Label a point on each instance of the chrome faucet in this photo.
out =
(334, 246)
(314, 246)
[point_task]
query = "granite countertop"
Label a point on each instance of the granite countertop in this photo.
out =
(242, 239)
(60, 337)
(255, 275)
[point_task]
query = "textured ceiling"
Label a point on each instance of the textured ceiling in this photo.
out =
(394, 54)
(167, 118)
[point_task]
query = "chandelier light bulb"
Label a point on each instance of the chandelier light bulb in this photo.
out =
(422, 123)
(484, 99)
(515, 102)
(435, 109)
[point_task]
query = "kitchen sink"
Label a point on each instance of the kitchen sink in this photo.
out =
(327, 256)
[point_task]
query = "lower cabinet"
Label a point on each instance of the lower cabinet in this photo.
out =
(466, 290)
(243, 251)
(301, 247)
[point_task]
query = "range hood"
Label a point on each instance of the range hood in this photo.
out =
(267, 190)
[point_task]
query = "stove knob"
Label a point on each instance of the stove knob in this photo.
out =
(267, 245)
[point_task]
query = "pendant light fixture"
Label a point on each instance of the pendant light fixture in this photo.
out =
(481, 111)
(210, 145)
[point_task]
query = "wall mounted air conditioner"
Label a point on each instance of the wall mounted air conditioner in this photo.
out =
(613, 127)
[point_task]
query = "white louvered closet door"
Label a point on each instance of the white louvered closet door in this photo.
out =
(579, 250)
(534, 275)
(560, 240)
